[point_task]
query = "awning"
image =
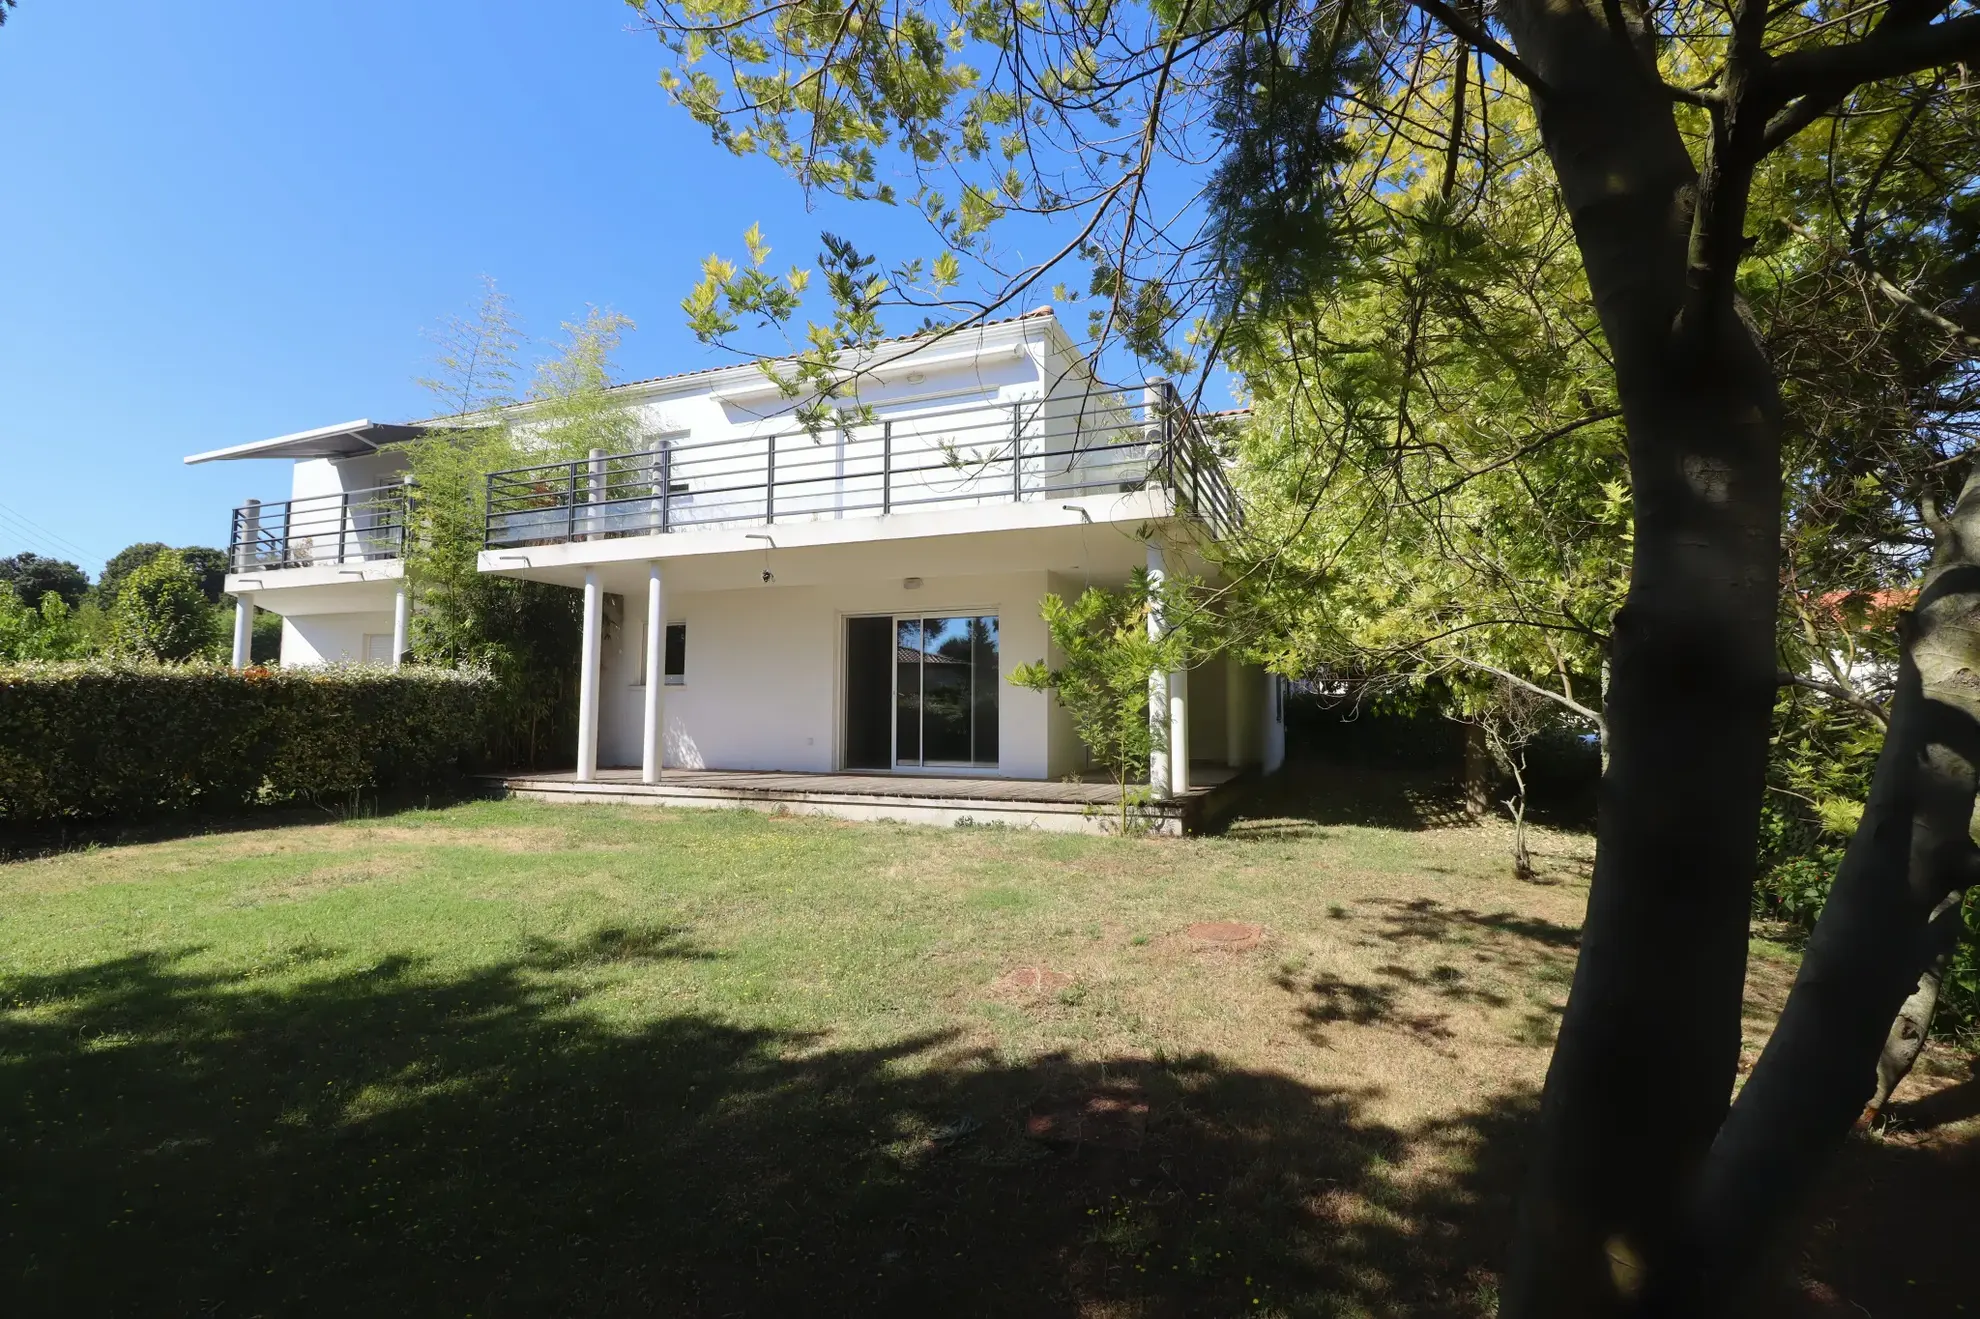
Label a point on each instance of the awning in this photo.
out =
(345, 440)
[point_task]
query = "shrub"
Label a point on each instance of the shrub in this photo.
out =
(98, 741)
(161, 613)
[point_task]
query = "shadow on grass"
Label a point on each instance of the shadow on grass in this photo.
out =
(406, 1140)
(1306, 797)
(20, 842)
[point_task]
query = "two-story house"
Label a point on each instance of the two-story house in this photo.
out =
(762, 598)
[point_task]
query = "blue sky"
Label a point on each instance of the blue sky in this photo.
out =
(225, 221)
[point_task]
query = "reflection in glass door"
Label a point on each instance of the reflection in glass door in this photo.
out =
(945, 682)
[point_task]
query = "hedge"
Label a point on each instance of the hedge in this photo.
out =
(98, 741)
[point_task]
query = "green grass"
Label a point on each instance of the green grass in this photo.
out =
(516, 1059)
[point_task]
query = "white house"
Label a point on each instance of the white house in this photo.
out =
(761, 598)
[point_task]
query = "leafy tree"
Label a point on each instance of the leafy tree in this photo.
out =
(210, 565)
(33, 576)
(1657, 124)
(161, 613)
(110, 582)
(526, 633)
(1109, 655)
(48, 631)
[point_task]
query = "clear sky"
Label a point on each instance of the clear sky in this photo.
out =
(223, 221)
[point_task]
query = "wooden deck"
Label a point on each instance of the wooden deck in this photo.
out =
(917, 798)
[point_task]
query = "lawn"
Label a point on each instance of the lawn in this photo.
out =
(505, 1058)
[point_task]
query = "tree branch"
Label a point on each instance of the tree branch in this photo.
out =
(1959, 333)
(1854, 699)
(1819, 97)
(1464, 29)
(1567, 702)
(1891, 51)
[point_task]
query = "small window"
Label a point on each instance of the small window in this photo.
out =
(673, 658)
(676, 656)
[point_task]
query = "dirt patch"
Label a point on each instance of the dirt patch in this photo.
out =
(1226, 936)
(311, 884)
(1112, 1118)
(1028, 980)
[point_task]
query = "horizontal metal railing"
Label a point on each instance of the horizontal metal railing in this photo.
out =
(355, 526)
(969, 457)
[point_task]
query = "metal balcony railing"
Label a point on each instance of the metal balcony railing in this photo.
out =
(356, 526)
(969, 457)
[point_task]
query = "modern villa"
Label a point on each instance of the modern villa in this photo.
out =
(824, 621)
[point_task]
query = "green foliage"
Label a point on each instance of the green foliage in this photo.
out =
(162, 614)
(525, 633)
(207, 563)
(33, 576)
(1107, 656)
(97, 741)
(1433, 470)
(49, 631)
(121, 565)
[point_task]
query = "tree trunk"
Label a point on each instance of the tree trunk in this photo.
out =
(1477, 772)
(1649, 1045)
(1914, 1019)
(1912, 849)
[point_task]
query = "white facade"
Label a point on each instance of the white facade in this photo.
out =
(920, 537)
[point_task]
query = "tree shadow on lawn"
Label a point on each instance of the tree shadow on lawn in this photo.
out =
(399, 1140)
(1306, 797)
(402, 1140)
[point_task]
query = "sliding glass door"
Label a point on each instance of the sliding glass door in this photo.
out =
(944, 681)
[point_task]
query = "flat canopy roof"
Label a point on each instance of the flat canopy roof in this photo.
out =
(345, 440)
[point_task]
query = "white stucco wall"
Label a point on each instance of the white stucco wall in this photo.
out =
(330, 638)
(765, 672)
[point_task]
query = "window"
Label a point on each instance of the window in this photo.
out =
(378, 648)
(946, 691)
(673, 658)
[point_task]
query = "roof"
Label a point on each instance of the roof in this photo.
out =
(352, 438)
(344, 440)
(1035, 313)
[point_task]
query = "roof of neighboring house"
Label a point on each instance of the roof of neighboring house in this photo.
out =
(1838, 605)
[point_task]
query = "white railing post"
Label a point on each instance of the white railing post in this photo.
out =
(250, 547)
(587, 766)
(243, 630)
(594, 493)
(651, 750)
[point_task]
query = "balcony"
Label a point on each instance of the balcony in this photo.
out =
(966, 458)
(354, 527)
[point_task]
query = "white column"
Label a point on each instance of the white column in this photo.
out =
(1158, 688)
(1272, 723)
(650, 746)
(587, 766)
(1234, 730)
(243, 630)
(401, 617)
(1179, 732)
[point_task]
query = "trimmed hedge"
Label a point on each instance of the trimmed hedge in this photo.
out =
(117, 741)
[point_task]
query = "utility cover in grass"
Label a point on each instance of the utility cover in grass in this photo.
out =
(1236, 936)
